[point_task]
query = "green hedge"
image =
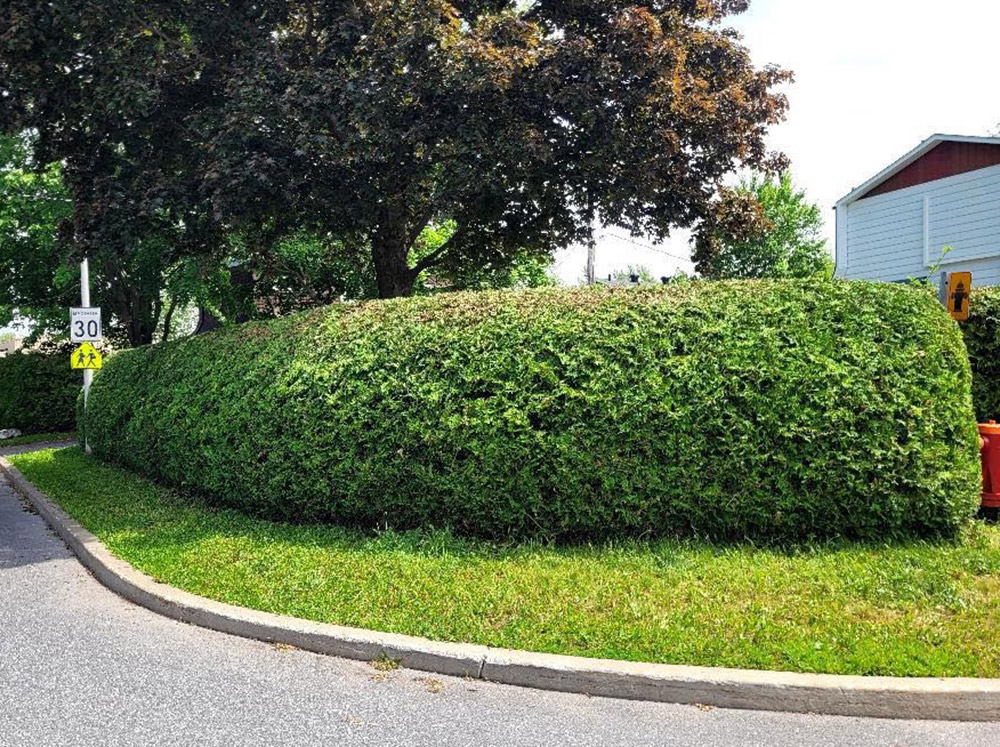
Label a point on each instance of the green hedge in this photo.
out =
(982, 338)
(38, 391)
(761, 410)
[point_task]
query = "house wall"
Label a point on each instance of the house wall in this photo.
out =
(901, 234)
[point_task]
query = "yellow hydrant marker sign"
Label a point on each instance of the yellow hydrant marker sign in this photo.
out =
(86, 357)
(959, 288)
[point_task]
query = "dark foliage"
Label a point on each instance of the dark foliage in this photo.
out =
(38, 391)
(521, 122)
(982, 338)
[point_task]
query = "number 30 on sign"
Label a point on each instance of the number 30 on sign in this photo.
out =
(85, 325)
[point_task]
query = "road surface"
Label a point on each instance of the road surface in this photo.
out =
(80, 666)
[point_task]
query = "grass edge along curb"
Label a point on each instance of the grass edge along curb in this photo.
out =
(959, 699)
(765, 411)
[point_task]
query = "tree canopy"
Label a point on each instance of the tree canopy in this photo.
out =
(520, 122)
(35, 278)
(764, 228)
(39, 275)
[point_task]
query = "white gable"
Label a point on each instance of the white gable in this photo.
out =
(902, 234)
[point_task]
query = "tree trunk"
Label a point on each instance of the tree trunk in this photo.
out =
(137, 313)
(140, 331)
(168, 319)
(393, 274)
(137, 332)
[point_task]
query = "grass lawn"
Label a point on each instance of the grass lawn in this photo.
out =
(38, 438)
(919, 609)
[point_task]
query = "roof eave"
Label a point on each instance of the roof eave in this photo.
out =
(925, 147)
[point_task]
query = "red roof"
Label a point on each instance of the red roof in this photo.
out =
(938, 157)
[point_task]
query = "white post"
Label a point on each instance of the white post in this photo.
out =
(88, 375)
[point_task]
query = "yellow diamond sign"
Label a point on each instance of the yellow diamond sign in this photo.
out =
(86, 357)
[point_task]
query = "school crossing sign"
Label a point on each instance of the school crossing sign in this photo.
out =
(87, 358)
(85, 327)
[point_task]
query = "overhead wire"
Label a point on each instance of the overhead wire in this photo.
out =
(648, 247)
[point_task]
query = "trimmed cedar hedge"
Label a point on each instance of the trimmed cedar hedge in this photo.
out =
(38, 391)
(982, 338)
(753, 410)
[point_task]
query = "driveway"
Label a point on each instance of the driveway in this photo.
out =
(80, 666)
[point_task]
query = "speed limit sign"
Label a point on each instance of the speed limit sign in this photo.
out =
(85, 325)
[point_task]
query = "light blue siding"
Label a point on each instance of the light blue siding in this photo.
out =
(903, 234)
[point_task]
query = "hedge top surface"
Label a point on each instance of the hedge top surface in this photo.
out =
(761, 410)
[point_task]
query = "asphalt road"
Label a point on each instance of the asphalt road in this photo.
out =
(80, 666)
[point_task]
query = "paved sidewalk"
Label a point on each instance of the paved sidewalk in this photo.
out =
(9, 450)
(80, 666)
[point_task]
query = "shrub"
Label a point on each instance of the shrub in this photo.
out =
(762, 410)
(38, 391)
(982, 338)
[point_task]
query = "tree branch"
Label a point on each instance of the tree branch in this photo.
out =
(435, 257)
(176, 44)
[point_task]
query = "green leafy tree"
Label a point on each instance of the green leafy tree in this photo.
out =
(291, 273)
(519, 270)
(522, 122)
(114, 107)
(36, 280)
(765, 228)
(140, 289)
(300, 271)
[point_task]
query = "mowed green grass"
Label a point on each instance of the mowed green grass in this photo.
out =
(920, 609)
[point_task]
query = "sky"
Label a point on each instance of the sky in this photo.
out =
(873, 78)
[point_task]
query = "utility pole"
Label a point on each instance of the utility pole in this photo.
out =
(592, 260)
(88, 375)
(591, 247)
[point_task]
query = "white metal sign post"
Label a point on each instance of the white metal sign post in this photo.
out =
(85, 323)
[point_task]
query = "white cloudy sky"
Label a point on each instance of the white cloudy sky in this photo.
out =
(873, 79)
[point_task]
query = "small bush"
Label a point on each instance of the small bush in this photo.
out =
(761, 410)
(982, 338)
(38, 391)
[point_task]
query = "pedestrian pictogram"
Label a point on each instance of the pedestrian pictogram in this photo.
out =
(87, 357)
(959, 288)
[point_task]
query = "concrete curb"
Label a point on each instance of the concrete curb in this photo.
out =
(881, 697)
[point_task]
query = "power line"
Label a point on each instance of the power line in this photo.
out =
(647, 247)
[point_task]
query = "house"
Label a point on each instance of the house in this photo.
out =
(943, 193)
(9, 344)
